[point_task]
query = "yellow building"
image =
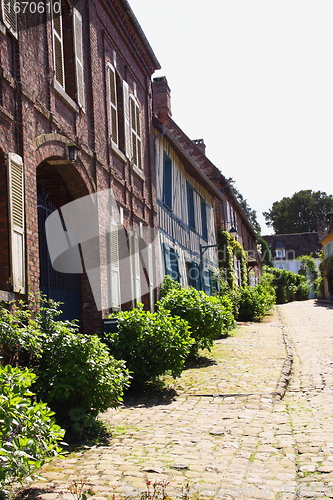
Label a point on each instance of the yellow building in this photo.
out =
(327, 263)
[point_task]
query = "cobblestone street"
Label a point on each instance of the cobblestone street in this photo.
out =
(227, 434)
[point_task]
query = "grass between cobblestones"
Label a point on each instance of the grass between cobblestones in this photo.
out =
(213, 432)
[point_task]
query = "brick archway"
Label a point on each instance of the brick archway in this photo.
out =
(59, 182)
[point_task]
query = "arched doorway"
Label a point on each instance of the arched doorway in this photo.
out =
(52, 193)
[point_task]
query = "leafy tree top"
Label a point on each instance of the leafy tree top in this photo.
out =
(249, 212)
(300, 213)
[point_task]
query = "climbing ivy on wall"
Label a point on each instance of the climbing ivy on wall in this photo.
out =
(228, 249)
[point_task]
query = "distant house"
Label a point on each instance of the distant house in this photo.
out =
(285, 249)
(327, 243)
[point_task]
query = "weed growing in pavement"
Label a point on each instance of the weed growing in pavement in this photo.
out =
(156, 490)
(77, 488)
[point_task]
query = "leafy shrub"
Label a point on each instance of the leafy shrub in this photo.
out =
(255, 302)
(150, 343)
(289, 286)
(77, 377)
(168, 285)
(28, 433)
(20, 336)
(208, 317)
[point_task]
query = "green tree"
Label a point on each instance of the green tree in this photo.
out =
(249, 212)
(300, 213)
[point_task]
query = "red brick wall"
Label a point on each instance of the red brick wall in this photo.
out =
(30, 108)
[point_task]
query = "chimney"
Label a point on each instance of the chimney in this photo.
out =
(200, 144)
(161, 98)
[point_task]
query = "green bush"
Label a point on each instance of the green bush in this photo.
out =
(20, 335)
(289, 286)
(255, 302)
(150, 343)
(28, 433)
(208, 317)
(303, 287)
(168, 285)
(77, 377)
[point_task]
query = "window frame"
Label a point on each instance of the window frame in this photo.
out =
(9, 19)
(113, 104)
(135, 131)
(167, 181)
(190, 206)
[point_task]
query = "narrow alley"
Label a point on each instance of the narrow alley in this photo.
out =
(227, 434)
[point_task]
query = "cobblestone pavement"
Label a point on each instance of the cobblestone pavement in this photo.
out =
(226, 435)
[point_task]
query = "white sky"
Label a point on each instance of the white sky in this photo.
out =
(254, 79)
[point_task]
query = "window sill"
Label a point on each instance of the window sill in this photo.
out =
(117, 151)
(68, 100)
(139, 173)
(6, 114)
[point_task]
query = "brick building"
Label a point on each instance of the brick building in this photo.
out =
(75, 78)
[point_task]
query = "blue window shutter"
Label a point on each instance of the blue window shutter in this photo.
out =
(207, 281)
(167, 260)
(171, 262)
(190, 206)
(204, 219)
(175, 265)
(167, 181)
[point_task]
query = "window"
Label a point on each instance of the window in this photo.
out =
(68, 70)
(135, 132)
(171, 262)
(113, 104)
(204, 219)
(190, 206)
(193, 274)
(167, 181)
(9, 16)
(17, 221)
(280, 253)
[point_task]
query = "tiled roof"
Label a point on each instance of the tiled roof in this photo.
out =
(298, 243)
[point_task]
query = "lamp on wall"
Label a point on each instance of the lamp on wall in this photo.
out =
(72, 151)
(233, 232)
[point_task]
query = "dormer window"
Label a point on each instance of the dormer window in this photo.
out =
(280, 252)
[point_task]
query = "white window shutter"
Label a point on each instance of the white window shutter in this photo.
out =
(17, 221)
(151, 276)
(127, 124)
(9, 16)
(114, 267)
(58, 48)
(135, 267)
(113, 104)
(78, 49)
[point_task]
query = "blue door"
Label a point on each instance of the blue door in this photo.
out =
(61, 287)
